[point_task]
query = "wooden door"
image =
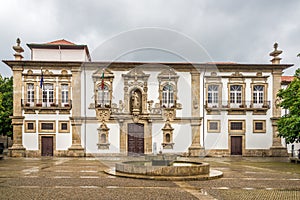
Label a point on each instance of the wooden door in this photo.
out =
(47, 146)
(135, 139)
(236, 145)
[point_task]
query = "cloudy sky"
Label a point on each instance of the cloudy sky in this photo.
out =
(224, 30)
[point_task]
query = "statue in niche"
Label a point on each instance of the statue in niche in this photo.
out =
(135, 100)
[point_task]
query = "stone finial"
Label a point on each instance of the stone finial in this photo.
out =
(18, 49)
(275, 54)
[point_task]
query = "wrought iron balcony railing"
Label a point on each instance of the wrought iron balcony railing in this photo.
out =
(102, 103)
(242, 105)
(46, 104)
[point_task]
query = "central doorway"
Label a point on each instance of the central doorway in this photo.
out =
(236, 145)
(135, 139)
(47, 146)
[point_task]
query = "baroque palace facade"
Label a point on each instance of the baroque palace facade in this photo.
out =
(67, 105)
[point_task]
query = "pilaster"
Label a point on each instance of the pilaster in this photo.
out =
(195, 149)
(277, 149)
(76, 149)
(17, 149)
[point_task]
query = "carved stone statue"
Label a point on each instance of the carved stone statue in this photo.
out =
(135, 100)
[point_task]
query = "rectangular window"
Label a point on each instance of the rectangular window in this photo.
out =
(64, 93)
(258, 96)
(213, 126)
(235, 95)
(64, 126)
(47, 126)
(236, 126)
(29, 126)
(213, 95)
(48, 95)
(30, 93)
(168, 96)
(259, 126)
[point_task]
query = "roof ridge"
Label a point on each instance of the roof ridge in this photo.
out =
(61, 41)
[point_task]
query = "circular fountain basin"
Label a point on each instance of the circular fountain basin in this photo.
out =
(163, 168)
(157, 169)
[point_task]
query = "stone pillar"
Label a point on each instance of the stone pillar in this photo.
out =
(76, 148)
(17, 150)
(123, 138)
(195, 149)
(148, 137)
(277, 149)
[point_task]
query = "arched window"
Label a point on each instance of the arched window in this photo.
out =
(168, 96)
(103, 97)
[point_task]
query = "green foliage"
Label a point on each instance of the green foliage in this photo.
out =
(289, 124)
(6, 105)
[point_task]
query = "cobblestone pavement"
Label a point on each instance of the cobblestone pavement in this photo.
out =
(83, 178)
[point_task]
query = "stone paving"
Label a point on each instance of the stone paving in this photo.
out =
(84, 178)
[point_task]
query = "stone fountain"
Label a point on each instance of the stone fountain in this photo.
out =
(164, 167)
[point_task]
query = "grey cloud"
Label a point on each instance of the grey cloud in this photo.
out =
(231, 30)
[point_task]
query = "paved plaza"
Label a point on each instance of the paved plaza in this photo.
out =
(84, 178)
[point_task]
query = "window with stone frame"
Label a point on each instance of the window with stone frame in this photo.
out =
(259, 95)
(168, 79)
(213, 95)
(236, 126)
(103, 96)
(46, 126)
(64, 94)
(259, 126)
(235, 95)
(168, 96)
(213, 126)
(48, 94)
(29, 126)
(64, 126)
(30, 94)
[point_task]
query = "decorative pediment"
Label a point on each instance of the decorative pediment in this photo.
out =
(168, 75)
(97, 75)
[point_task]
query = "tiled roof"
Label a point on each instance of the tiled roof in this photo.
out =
(62, 42)
(287, 78)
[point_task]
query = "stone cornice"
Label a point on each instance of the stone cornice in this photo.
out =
(125, 66)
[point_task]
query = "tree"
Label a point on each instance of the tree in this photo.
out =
(6, 105)
(289, 124)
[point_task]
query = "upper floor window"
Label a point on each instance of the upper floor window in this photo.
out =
(64, 93)
(48, 94)
(213, 95)
(258, 94)
(235, 95)
(103, 97)
(30, 93)
(168, 96)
